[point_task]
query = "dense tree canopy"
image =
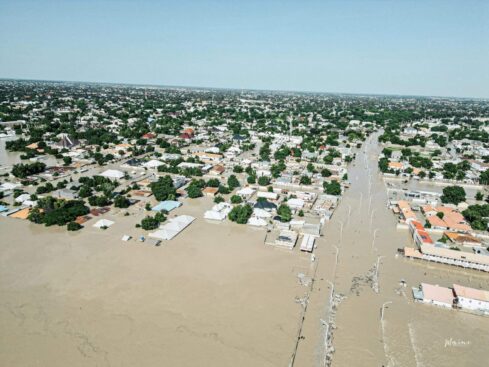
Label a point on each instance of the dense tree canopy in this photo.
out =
(284, 213)
(163, 189)
(121, 202)
(24, 170)
(332, 188)
(477, 216)
(233, 182)
(52, 211)
(240, 214)
(484, 177)
(453, 195)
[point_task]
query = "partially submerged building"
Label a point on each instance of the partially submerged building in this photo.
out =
(173, 227)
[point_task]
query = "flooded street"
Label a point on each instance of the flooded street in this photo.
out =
(364, 231)
(8, 159)
(244, 184)
(217, 294)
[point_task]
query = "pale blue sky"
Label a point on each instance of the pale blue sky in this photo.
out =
(413, 47)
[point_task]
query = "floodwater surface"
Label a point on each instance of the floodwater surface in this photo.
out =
(363, 231)
(217, 296)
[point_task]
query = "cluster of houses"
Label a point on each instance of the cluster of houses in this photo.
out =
(458, 246)
(439, 145)
(282, 149)
(315, 209)
(457, 297)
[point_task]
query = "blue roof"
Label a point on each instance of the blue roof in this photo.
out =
(167, 205)
(3, 208)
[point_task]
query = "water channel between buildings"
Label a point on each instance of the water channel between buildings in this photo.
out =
(362, 234)
(220, 293)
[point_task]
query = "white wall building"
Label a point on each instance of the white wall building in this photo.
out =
(471, 299)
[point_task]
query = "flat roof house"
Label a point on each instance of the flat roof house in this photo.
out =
(167, 205)
(210, 191)
(113, 174)
(436, 295)
(471, 298)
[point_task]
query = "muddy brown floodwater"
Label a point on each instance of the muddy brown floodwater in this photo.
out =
(217, 296)
(411, 334)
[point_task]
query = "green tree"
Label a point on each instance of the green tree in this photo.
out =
(326, 172)
(305, 180)
(284, 213)
(449, 170)
(67, 161)
(74, 226)
(45, 189)
(387, 152)
(332, 188)
(194, 191)
(163, 189)
(150, 223)
(477, 216)
(98, 200)
(240, 214)
(263, 180)
(484, 177)
(328, 159)
(282, 153)
(453, 195)
(384, 165)
(223, 190)
(121, 202)
(236, 199)
(265, 152)
(233, 182)
(36, 216)
(213, 182)
(51, 211)
(160, 216)
(23, 170)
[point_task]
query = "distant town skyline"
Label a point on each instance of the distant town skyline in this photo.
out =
(430, 48)
(211, 88)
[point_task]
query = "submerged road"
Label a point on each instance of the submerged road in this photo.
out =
(373, 320)
(364, 222)
(345, 286)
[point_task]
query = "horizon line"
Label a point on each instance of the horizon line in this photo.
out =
(242, 89)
